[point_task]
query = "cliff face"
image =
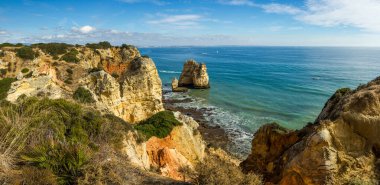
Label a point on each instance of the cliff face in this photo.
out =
(182, 148)
(123, 82)
(194, 75)
(342, 146)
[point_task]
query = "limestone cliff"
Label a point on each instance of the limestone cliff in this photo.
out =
(194, 75)
(341, 147)
(182, 148)
(120, 80)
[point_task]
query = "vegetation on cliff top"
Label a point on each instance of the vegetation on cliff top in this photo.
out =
(53, 49)
(71, 56)
(26, 53)
(5, 85)
(159, 125)
(100, 45)
(54, 139)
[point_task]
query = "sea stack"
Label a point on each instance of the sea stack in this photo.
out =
(194, 75)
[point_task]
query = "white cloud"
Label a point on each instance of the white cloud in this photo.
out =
(280, 8)
(84, 29)
(2, 32)
(178, 21)
(363, 14)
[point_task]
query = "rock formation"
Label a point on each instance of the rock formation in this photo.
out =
(183, 148)
(135, 96)
(194, 75)
(341, 147)
(175, 87)
(123, 83)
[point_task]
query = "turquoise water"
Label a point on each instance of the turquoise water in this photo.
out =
(252, 86)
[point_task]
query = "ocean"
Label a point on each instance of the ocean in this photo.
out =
(251, 86)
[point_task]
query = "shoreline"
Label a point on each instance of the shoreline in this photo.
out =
(214, 135)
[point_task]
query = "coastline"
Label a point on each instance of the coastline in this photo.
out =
(213, 134)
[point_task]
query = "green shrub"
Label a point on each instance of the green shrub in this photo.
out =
(115, 75)
(64, 159)
(3, 72)
(83, 95)
(62, 136)
(100, 45)
(25, 70)
(95, 69)
(10, 45)
(29, 75)
(2, 54)
(53, 49)
(71, 56)
(5, 85)
(159, 125)
(27, 53)
(68, 81)
(69, 71)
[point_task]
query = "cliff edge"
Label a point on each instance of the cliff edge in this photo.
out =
(341, 147)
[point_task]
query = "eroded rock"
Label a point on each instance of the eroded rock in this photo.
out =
(341, 147)
(194, 75)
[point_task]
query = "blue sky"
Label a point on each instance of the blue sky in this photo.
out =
(191, 22)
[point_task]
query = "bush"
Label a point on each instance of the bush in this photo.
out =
(25, 70)
(69, 71)
(64, 159)
(115, 75)
(27, 53)
(159, 125)
(71, 56)
(29, 75)
(53, 49)
(3, 72)
(10, 45)
(95, 69)
(59, 137)
(217, 171)
(5, 85)
(100, 45)
(2, 54)
(83, 95)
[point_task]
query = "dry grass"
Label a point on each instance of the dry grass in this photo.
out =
(215, 171)
(14, 131)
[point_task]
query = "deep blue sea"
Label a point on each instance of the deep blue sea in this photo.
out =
(251, 86)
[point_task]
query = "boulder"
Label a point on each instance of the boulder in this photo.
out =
(175, 87)
(194, 75)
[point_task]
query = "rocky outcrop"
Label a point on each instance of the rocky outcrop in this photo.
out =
(194, 75)
(124, 83)
(341, 147)
(175, 87)
(182, 148)
(137, 94)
